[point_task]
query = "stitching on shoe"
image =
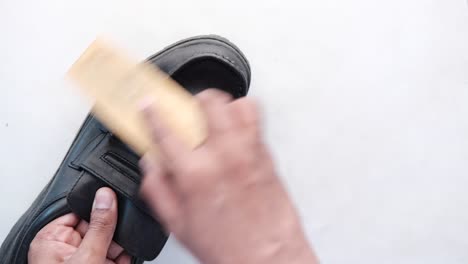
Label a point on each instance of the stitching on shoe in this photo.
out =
(126, 174)
(125, 193)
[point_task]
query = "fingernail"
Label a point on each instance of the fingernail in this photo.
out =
(103, 199)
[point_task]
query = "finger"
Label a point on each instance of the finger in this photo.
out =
(214, 94)
(59, 233)
(213, 103)
(159, 191)
(82, 228)
(108, 261)
(66, 235)
(114, 249)
(70, 220)
(74, 240)
(245, 112)
(170, 146)
(101, 227)
(123, 259)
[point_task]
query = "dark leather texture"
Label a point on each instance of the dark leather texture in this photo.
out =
(97, 158)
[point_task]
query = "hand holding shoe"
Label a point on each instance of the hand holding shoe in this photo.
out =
(70, 240)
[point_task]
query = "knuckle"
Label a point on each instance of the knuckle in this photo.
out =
(241, 161)
(100, 221)
(198, 174)
(237, 164)
(69, 236)
(198, 168)
(231, 156)
(62, 233)
(45, 235)
(246, 111)
(238, 155)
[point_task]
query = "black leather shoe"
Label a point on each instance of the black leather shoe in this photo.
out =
(97, 158)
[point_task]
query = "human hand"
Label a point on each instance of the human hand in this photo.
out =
(223, 200)
(70, 240)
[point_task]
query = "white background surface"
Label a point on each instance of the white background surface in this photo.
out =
(365, 104)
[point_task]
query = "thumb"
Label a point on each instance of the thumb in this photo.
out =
(98, 238)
